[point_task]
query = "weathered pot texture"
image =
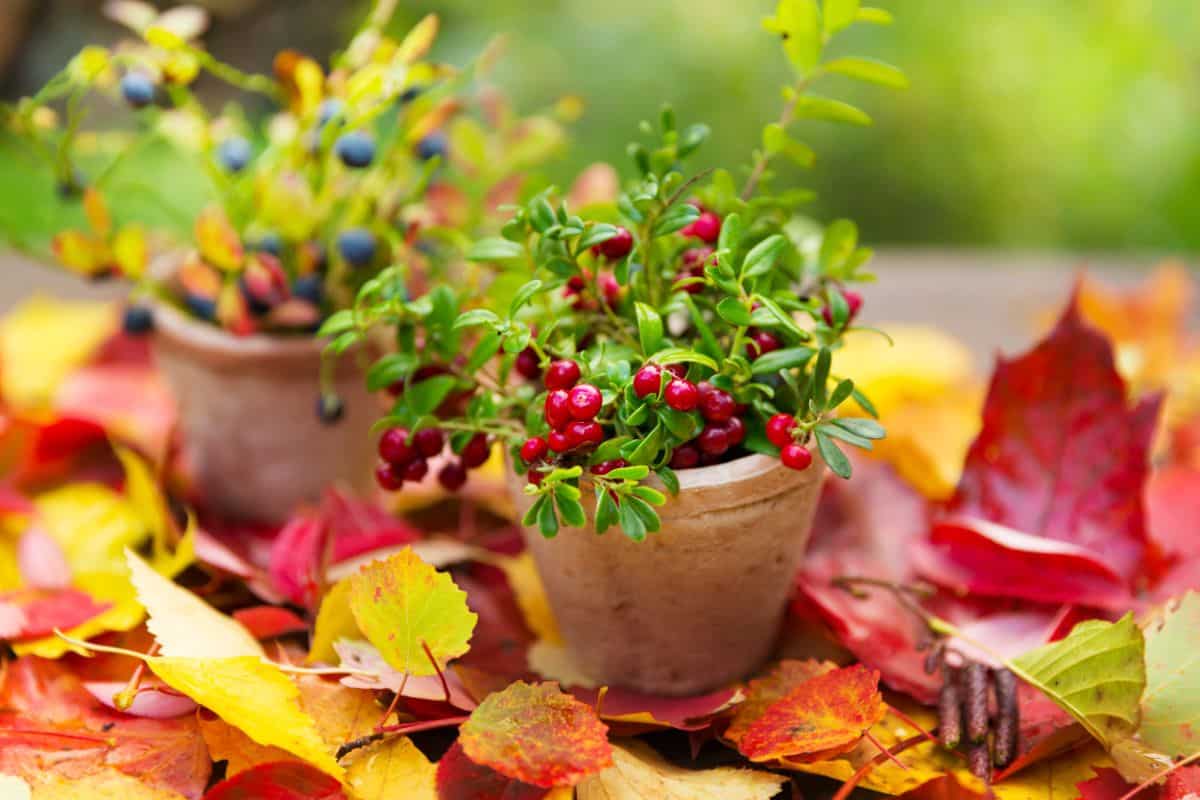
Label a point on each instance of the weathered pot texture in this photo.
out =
(696, 605)
(254, 447)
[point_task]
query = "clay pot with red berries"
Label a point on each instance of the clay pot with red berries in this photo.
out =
(261, 435)
(664, 392)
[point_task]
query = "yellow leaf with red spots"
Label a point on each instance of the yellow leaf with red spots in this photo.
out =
(537, 734)
(218, 242)
(823, 716)
(762, 693)
(404, 606)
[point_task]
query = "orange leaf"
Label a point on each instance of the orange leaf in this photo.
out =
(537, 734)
(827, 714)
(97, 213)
(218, 241)
(764, 692)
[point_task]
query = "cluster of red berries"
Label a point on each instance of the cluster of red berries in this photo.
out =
(576, 284)
(723, 429)
(781, 430)
(404, 458)
(570, 410)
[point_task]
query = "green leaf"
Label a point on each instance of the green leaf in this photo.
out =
(865, 402)
(650, 328)
(835, 459)
(606, 510)
(763, 255)
(708, 341)
(682, 425)
(596, 234)
(495, 249)
(799, 23)
(476, 316)
(650, 495)
(669, 479)
(837, 244)
(487, 346)
(681, 355)
(569, 507)
(632, 524)
(867, 428)
(824, 108)
(1096, 674)
(675, 218)
(644, 451)
(784, 318)
(634, 472)
(732, 311)
(691, 138)
(846, 436)
(1171, 702)
(424, 397)
(337, 322)
(731, 234)
(344, 342)
(523, 296)
(645, 511)
(541, 213)
(781, 359)
(840, 393)
(869, 70)
(839, 14)
(820, 376)
(389, 369)
(776, 140)
(547, 520)
(874, 16)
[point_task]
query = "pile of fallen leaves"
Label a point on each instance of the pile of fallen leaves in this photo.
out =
(1007, 551)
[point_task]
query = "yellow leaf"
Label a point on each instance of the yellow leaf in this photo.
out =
(403, 605)
(310, 83)
(97, 212)
(143, 494)
(341, 713)
(255, 697)
(124, 614)
(218, 242)
(93, 525)
(240, 752)
(638, 772)
(78, 252)
(163, 37)
(184, 625)
(107, 784)
(531, 597)
(90, 64)
(335, 621)
(418, 40)
(130, 251)
(391, 768)
(14, 788)
(43, 340)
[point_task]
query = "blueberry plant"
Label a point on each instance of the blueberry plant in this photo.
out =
(385, 156)
(691, 322)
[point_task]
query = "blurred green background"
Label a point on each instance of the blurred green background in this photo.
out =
(1069, 125)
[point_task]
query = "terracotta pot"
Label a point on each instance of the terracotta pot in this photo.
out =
(698, 604)
(254, 447)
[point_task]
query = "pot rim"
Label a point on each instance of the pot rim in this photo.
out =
(201, 337)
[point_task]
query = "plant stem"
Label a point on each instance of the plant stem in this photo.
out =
(785, 118)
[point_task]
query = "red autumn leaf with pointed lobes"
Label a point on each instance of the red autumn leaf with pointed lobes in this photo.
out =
(278, 780)
(825, 715)
(32, 613)
(973, 557)
(49, 723)
(538, 734)
(460, 778)
(764, 692)
(270, 622)
(1061, 453)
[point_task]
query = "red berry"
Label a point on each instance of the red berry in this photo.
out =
(559, 441)
(416, 470)
(452, 476)
(647, 380)
(611, 290)
(735, 431)
(617, 247)
(779, 429)
(713, 440)
(764, 343)
(558, 408)
(476, 451)
(705, 388)
(695, 257)
(580, 433)
(533, 449)
(717, 406)
(429, 441)
(394, 447)
(795, 456)
(678, 370)
(853, 304)
(685, 456)
(535, 476)
(682, 395)
(585, 401)
(390, 477)
(707, 227)
(527, 364)
(576, 283)
(562, 374)
(605, 467)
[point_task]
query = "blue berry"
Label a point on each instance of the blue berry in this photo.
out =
(355, 149)
(138, 320)
(330, 107)
(137, 89)
(308, 288)
(73, 186)
(329, 408)
(235, 153)
(357, 246)
(202, 307)
(433, 145)
(410, 94)
(269, 243)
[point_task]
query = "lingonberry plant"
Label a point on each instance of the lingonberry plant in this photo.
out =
(690, 323)
(384, 157)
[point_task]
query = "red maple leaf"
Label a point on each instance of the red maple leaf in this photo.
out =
(460, 778)
(1061, 453)
(278, 780)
